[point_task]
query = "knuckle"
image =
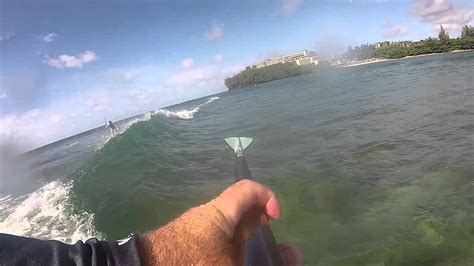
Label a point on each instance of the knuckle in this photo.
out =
(246, 183)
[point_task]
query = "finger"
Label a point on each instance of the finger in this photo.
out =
(244, 195)
(291, 255)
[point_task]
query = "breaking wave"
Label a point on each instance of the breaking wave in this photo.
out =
(187, 113)
(181, 114)
(46, 214)
(122, 128)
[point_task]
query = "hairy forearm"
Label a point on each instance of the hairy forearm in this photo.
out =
(183, 241)
(214, 233)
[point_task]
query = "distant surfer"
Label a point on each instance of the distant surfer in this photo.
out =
(112, 127)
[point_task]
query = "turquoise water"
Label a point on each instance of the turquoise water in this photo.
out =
(373, 165)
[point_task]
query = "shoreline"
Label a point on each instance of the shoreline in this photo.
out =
(379, 60)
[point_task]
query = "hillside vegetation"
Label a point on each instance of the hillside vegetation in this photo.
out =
(252, 76)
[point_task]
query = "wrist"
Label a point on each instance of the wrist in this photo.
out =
(147, 251)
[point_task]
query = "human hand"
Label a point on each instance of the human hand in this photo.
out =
(215, 233)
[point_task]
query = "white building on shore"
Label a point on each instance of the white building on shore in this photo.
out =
(304, 57)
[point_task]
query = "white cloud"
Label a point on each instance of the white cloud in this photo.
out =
(190, 78)
(16, 128)
(149, 74)
(71, 116)
(49, 37)
(3, 95)
(395, 31)
(443, 12)
(387, 24)
(97, 104)
(87, 56)
(140, 94)
(64, 118)
(57, 118)
(113, 98)
(129, 76)
(290, 7)
(215, 33)
(6, 35)
(204, 77)
(187, 63)
(38, 127)
(70, 61)
(218, 59)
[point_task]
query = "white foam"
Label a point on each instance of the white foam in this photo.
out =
(185, 114)
(125, 127)
(5, 204)
(46, 214)
(5, 198)
(210, 100)
(181, 114)
(72, 144)
(213, 99)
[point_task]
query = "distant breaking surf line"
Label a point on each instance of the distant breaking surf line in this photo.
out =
(184, 114)
(47, 213)
(181, 114)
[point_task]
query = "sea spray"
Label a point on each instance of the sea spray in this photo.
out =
(46, 214)
(49, 213)
(187, 113)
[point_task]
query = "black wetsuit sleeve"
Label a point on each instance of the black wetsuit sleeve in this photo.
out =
(15, 250)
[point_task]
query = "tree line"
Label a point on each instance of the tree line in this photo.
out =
(407, 48)
(253, 76)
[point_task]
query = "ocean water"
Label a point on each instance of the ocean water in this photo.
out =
(373, 165)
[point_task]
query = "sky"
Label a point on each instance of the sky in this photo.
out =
(65, 65)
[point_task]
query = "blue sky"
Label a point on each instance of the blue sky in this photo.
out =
(79, 61)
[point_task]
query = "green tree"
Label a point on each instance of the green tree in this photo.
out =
(252, 76)
(467, 31)
(443, 36)
(467, 37)
(464, 31)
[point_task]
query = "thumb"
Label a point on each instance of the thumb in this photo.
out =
(243, 197)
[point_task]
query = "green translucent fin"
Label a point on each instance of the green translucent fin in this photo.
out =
(238, 142)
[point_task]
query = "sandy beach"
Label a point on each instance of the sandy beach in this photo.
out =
(365, 62)
(379, 60)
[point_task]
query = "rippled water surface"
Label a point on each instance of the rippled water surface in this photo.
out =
(373, 165)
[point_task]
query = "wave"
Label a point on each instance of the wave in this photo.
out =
(122, 128)
(71, 144)
(143, 118)
(4, 204)
(184, 114)
(46, 214)
(181, 114)
(210, 100)
(49, 212)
